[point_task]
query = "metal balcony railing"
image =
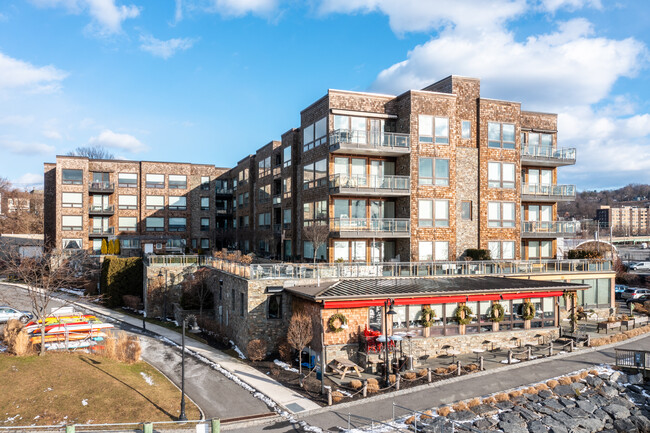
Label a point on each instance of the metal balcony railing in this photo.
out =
(359, 139)
(385, 227)
(105, 187)
(101, 231)
(277, 199)
(549, 191)
(565, 155)
(223, 191)
(378, 184)
(550, 228)
(104, 210)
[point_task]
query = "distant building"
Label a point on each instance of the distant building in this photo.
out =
(625, 220)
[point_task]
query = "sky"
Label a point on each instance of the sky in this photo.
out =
(211, 81)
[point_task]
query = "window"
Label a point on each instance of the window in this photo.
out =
(205, 183)
(428, 176)
(71, 199)
(433, 129)
(286, 156)
(242, 307)
(430, 250)
(127, 224)
(502, 250)
(341, 251)
(375, 318)
(177, 181)
(205, 224)
(127, 201)
(71, 222)
(315, 174)
(175, 244)
(155, 224)
(127, 180)
(205, 244)
(501, 214)
(177, 202)
(433, 213)
(72, 177)
(274, 310)
(72, 244)
(264, 193)
(129, 243)
(264, 220)
(177, 224)
(155, 201)
(286, 218)
(205, 203)
(501, 175)
(315, 134)
(155, 181)
(466, 210)
(537, 139)
(408, 317)
(264, 167)
(501, 135)
(465, 129)
(245, 221)
(308, 251)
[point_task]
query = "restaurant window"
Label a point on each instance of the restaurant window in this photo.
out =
(506, 324)
(375, 318)
(408, 318)
(433, 171)
(127, 180)
(450, 322)
(438, 327)
(275, 307)
(72, 177)
(517, 314)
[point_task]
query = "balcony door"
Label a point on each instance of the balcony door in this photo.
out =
(100, 202)
(100, 224)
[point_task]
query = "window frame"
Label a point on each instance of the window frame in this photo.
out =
(123, 183)
(434, 180)
(500, 182)
(154, 184)
(502, 144)
(500, 222)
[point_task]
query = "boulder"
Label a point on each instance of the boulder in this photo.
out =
(615, 376)
(553, 404)
(635, 379)
(641, 422)
(545, 393)
(485, 410)
(616, 411)
(567, 402)
(564, 390)
(511, 427)
(483, 424)
(536, 427)
(593, 381)
(462, 416)
(587, 406)
(504, 405)
(625, 426)
(526, 414)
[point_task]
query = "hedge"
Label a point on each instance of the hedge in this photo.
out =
(478, 254)
(584, 254)
(120, 276)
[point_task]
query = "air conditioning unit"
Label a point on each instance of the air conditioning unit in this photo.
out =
(158, 246)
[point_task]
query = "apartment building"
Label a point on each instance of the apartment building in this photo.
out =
(625, 220)
(154, 207)
(420, 176)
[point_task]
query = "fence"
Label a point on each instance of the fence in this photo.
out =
(639, 359)
(207, 426)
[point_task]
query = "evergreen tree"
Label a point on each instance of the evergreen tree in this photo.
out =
(111, 248)
(104, 249)
(117, 247)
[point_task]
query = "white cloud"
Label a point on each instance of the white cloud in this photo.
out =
(16, 73)
(25, 148)
(114, 140)
(16, 120)
(178, 13)
(572, 5)
(228, 8)
(165, 49)
(29, 179)
(107, 17)
(52, 134)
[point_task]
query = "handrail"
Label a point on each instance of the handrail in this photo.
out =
(101, 185)
(359, 181)
(548, 152)
(560, 227)
(363, 138)
(548, 190)
(382, 225)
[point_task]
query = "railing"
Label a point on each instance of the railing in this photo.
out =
(639, 359)
(101, 231)
(371, 183)
(372, 225)
(389, 269)
(550, 227)
(566, 154)
(277, 199)
(101, 209)
(277, 228)
(550, 191)
(378, 140)
(101, 186)
(223, 191)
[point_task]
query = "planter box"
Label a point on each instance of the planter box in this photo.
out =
(640, 320)
(627, 323)
(608, 325)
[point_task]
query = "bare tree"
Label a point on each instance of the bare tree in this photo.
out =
(299, 334)
(92, 152)
(46, 275)
(196, 289)
(22, 210)
(317, 234)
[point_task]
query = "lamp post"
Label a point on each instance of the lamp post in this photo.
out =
(388, 311)
(160, 275)
(193, 329)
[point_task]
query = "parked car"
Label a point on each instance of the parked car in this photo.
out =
(619, 289)
(8, 313)
(641, 299)
(640, 266)
(634, 293)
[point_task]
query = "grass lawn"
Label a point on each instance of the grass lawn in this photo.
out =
(84, 388)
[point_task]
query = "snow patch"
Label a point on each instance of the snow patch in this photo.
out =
(514, 361)
(11, 418)
(84, 402)
(76, 292)
(285, 366)
(147, 378)
(236, 349)
(344, 392)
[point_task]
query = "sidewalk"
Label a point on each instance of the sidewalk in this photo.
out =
(285, 398)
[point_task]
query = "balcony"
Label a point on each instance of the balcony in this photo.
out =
(549, 229)
(277, 200)
(364, 143)
(371, 227)
(546, 156)
(548, 193)
(223, 191)
(99, 232)
(101, 188)
(101, 210)
(387, 186)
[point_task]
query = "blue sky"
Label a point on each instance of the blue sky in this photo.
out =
(212, 80)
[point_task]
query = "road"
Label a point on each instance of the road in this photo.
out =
(215, 394)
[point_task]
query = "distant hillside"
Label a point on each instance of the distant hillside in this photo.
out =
(587, 202)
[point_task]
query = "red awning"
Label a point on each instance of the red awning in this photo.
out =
(490, 297)
(530, 295)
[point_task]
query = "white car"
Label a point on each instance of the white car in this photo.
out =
(640, 266)
(8, 313)
(634, 293)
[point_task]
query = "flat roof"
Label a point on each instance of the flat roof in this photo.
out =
(414, 287)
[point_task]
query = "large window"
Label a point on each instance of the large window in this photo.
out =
(72, 177)
(177, 202)
(127, 201)
(155, 224)
(433, 250)
(264, 220)
(466, 129)
(205, 224)
(537, 139)
(315, 134)
(433, 213)
(177, 224)
(205, 203)
(129, 243)
(433, 129)
(71, 222)
(501, 135)
(502, 250)
(540, 249)
(314, 212)
(72, 244)
(501, 214)
(479, 320)
(155, 181)
(286, 218)
(264, 167)
(274, 310)
(155, 201)
(177, 181)
(308, 251)
(501, 175)
(315, 174)
(71, 199)
(127, 180)
(286, 156)
(408, 318)
(205, 183)
(127, 224)
(434, 172)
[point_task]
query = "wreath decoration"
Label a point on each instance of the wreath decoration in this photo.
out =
(428, 316)
(337, 322)
(528, 310)
(497, 313)
(462, 315)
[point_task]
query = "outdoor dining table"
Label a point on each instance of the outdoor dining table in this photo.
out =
(478, 353)
(344, 365)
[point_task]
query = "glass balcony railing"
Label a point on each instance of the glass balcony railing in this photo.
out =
(565, 155)
(372, 226)
(549, 191)
(101, 186)
(363, 183)
(101, 231)
(350, 138)
(551, 228)
(95, 209)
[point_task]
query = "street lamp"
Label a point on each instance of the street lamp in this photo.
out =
(160, 275)
(193, 329)
(388, 311)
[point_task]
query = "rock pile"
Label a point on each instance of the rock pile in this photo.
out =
(607, 401)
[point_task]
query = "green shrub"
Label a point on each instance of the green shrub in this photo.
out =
(104, 248)
(584, 254)
(119, 277)
(116, 247)
(478, 254)
(111, 248)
